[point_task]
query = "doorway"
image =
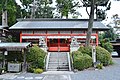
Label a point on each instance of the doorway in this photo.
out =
(58, 45)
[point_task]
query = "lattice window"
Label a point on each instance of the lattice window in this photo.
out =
(65, 32)
(77, 32)
(52, 32)
(27, 32)
(93, 31)
(39, 32)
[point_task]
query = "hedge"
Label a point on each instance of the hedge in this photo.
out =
(14, 55)
(102, 54)
(86, 50)
(36, 58)
(81, 61)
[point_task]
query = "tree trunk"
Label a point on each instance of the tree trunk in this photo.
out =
(4, 19)
(90, 23)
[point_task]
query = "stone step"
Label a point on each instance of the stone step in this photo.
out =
(58, 69)
(58, 62)
(55, 60)
(58, 54)
(58, 58)
(57, 65)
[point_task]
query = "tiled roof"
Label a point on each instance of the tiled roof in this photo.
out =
(56, 24)
(14, 45)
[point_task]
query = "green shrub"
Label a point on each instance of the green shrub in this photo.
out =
(1, 57)
(14, 55)
(108, 46)
(86, 50)
(99, 66)
(30, 69)
(36, 57)
(81, 61)
(38, 71)
(103, 56)
(105, 43)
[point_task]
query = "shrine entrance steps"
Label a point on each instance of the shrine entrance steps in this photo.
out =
(58, 61)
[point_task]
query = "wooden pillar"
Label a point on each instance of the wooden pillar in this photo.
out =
(97, 40)
(58, 44)
(24, 66)
(46, 38)
(20, 37)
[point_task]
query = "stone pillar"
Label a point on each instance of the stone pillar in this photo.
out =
(24, 66)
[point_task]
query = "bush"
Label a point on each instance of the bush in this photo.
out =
(30, 69)
(1, 57)
(108, 46)
(103, 56)
(86, 50)
(81, 61)
(36, 57)
(99, 66)
(38, 71)
(14, 55)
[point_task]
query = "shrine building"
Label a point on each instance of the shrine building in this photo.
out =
(57, 34)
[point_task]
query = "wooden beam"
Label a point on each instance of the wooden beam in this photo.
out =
(20, 37)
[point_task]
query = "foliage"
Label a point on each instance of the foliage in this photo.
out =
(42, 8)
(92, 4)
(30, 69)
(10, 38)
(36, 57)
(10, 6)
(14, 56)
(86, 50)
(99, 66)
(38, 71)
(81, 61)
(66, 6)
(0, 71)
(103, 56)
(110, 34)
(12, 10)
(1, 57)
(107, 45)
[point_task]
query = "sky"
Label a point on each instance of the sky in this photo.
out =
(115, 9)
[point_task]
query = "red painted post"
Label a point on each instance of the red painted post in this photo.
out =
(20, 37)
(46, 38)
(96, 39)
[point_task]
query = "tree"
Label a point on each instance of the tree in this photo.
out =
(26, 12)
(109, 35)
(10, 7)
(38, 8)
(44, 10)
(92, 4)
(66, 6)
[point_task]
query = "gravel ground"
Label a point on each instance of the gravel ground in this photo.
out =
(108, 73)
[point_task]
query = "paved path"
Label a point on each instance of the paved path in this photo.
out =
(109, 73)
